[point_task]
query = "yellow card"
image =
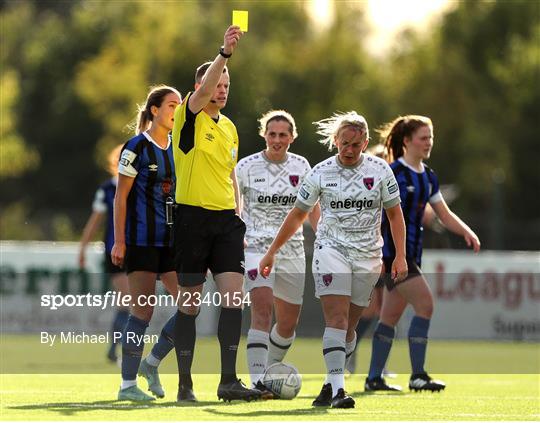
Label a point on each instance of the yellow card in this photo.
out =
(240, 18)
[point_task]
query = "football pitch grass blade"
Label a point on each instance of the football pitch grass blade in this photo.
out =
(76, 397)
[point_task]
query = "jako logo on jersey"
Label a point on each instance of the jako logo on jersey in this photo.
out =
(152, 167)
(368, 182)
(327, 279)
(351, 204)
(259, 180)
(294, 179)
(410, 188)
(277, 199)
(252, 274)
(209, 137)
(331, 184)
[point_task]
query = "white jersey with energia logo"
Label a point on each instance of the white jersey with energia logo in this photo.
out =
(269, 190)
(351, 200)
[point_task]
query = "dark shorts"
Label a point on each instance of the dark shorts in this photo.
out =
(207, 239)
(386, 277)
(149, 259)
(109, 267)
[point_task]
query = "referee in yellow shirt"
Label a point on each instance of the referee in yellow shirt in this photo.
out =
(208, 232)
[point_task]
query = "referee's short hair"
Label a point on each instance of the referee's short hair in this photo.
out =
(201, 70)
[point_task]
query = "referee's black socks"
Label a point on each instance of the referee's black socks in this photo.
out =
(229, 328)
(184, 344)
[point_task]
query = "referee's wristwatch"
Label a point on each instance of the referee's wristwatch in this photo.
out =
(222, 52)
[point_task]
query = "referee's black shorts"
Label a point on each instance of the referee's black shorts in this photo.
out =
(413, 271)
(207, 239)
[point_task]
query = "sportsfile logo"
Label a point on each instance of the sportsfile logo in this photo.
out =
(350, 203)
(283, 200)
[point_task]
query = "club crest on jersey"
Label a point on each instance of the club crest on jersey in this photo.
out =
(294, 179)
(252, 274)
(327, 279)
(368, 182)
(166, 186)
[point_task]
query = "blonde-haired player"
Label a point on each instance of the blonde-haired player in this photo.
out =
(352, 189)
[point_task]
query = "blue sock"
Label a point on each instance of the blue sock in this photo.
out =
(120, 321)
(380, 350)
(418, 336)
(132, 347)
(118, 325)
(165, 342)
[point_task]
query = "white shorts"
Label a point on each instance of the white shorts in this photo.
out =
(286, 280)
(336, 274)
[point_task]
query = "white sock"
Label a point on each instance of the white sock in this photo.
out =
(152, 360)
(349, 349)
(278, 346)
(334, 357)
(128, 383)
(257, 354)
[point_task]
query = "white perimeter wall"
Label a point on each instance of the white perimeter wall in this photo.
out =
(491, 295)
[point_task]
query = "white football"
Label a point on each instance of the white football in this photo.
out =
(283, 380)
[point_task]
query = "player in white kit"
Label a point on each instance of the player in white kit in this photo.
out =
(352, 189)
(268, 183)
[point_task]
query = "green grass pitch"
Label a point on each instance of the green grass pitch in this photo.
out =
(38, 388)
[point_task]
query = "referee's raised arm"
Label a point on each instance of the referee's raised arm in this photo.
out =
(205, 89)
(209, 235)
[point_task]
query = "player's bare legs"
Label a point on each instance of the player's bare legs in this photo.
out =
(392, 308)
(416, 292)
(287, 315)
(261, 308)
(369, 314)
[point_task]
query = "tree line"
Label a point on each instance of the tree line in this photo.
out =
(73, 72)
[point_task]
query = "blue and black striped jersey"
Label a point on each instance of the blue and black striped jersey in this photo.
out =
(103, 203)
(416, 190)
(153, 169)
